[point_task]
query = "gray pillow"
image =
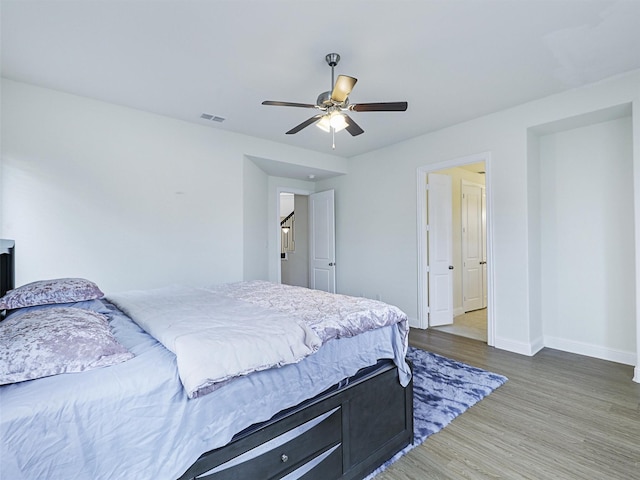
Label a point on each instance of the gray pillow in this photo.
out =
(42, 343)
(44, 292)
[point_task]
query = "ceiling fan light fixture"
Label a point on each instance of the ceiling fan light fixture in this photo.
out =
(338, 122)
(333, 120)
(324, 124)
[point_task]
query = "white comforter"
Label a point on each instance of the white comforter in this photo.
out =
(214, 337)
(330, 315)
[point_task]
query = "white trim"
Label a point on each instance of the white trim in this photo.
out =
(421, 200)
(523, 348)
(635, 116)
(590, 350)
(491, 299)
(413, 323)
(423, 305)
(458, 311)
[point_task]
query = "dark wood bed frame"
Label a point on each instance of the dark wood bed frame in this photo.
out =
(7, 266)
(344, 433)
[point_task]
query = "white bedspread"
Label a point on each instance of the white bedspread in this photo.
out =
(215, 337)
(330, 315)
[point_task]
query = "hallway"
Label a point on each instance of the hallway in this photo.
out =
(470, 325)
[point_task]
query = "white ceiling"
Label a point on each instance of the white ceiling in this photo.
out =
(452, 60)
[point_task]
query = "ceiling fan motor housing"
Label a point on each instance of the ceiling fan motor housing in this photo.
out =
(332, 59)
(324, 100)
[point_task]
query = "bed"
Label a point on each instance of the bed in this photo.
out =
(7, 258)
(339, 412)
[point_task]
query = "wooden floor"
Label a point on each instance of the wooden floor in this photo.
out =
(560, 416)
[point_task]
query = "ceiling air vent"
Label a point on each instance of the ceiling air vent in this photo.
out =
(213, 118)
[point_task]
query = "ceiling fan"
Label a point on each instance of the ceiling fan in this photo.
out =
(334, 103)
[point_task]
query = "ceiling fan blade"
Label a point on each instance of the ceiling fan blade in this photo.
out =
(305, 124)
(288, 104)
(342, 88)
(352, 127)
(380, 107)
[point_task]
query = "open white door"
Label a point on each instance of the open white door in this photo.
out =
(322, 242)
(473, 252)
(440, 240)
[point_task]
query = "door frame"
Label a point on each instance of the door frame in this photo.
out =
(421, 208)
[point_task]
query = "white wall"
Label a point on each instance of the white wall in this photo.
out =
(256, 242)
(131, 199)
(91, 189)
(376, 214)
(536, 330)
(587, 240)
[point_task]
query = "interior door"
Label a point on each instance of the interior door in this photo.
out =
(440, 240)
(322, 241)
(472, 247)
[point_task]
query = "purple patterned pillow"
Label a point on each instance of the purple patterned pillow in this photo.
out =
(48, 342)
(45, 292)
(94, 305)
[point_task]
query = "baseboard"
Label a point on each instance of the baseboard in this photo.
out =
(590, 350)
(458, 311)
(523, 348)
(415, 323)
(571, 346)
(537, 345)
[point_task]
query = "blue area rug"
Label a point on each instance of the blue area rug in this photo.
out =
(442, 390)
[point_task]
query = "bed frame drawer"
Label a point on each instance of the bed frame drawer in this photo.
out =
(294, 452)
(340, 434)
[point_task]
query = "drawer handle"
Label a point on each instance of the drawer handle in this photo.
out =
(284, 458)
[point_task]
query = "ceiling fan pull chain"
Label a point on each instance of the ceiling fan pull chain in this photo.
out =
(333, 136)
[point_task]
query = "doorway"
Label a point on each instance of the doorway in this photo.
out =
(306, 239)
(470, 266)
(294, 239)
